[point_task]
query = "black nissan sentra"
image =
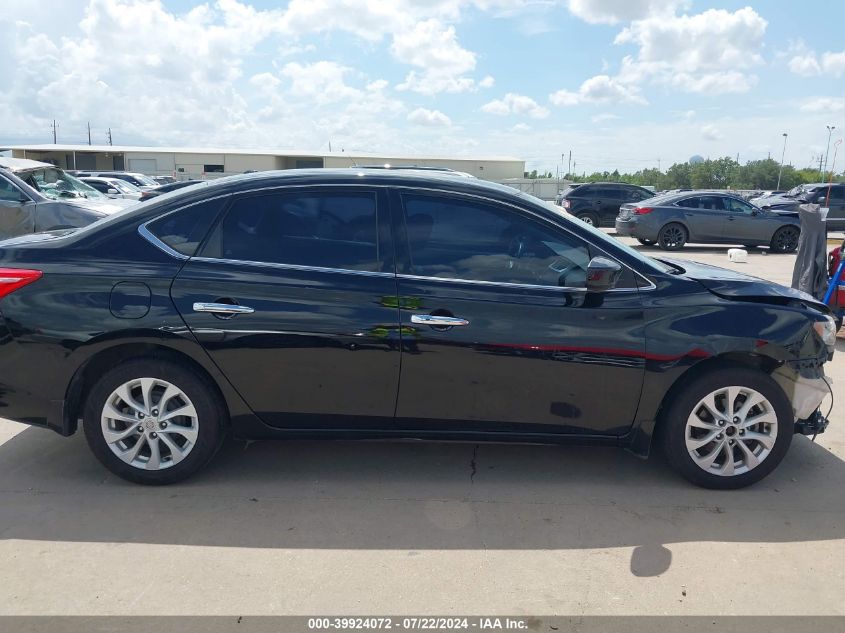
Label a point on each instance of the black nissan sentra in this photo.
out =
(374, 304)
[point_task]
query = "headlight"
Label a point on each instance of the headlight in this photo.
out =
(827, 331)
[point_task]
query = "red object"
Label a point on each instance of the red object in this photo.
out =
(837, 299)
(643, 210)
(13, 278)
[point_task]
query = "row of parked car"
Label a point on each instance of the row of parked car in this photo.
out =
(36, 196)
(672, 219)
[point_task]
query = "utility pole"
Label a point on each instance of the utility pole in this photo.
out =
(780, 172)
(569, 169)
(658, 165)
(830, 129)
(110, 136)
(89, 132)
(55, 127)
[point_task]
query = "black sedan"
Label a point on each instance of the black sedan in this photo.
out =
(675, 219)
(377, 304)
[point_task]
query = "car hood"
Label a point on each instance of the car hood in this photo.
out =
(769, 201)
(738, 286)
(107, 207)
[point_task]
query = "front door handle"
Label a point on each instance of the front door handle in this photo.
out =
(222, 308)
(437, 320)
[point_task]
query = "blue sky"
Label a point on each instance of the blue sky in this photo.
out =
(622, 84)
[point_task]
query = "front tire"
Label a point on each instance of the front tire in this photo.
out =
(153, 421)
(785, 239)
(728, 428)
(644, 241)
(672, 237)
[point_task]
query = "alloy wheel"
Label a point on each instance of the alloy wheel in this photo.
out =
(150, 423)
(786, 240)
(731, 431)
(673, 237)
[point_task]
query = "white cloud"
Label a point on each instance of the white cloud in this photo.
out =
(808, 64)
(487, 82)
(601, 89)
(711, 133)
(615, 11)
(824, 104)
(707, 52)
(434, 48)
(517, 104)
(429, 118)
(604, 117)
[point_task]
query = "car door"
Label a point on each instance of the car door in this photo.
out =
(609, 200)
(17, 211)
(498, 331)
(704, 216)
(836, 203)
(745, 224)
(293, 295)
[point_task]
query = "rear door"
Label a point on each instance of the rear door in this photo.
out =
(705, 217)
(498, 331)
(836, 203)
(293, 295)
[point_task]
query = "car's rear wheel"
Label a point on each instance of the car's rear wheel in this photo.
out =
(728, 428)
(785, 239)
(644, 241)
(153, 421)
(672, 237)
(588, 217)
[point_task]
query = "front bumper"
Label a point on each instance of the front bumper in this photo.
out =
(806, 396)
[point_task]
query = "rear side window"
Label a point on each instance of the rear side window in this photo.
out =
(184, 230)
(331, 229)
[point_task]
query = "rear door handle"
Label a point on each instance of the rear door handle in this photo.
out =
(431, 319)
(222, 308)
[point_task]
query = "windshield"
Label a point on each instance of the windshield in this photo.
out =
(611, 243)
(145, 181)
(123, 186)
(56, 184)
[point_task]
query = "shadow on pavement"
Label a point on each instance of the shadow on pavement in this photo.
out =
(414, 496)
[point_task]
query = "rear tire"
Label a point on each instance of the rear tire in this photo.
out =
(785, 239)
(672, 237)
(153, 421)
(713, 442)
(588, 217)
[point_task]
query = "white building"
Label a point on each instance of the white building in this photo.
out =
(184, 163)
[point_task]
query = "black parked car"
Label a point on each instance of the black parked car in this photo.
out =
(675, 219)
(167, 188)
(597, 203)
(831, 195)
(380, 304)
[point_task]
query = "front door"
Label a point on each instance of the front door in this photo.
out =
(745, 224)
(705, 216)
(294, 298)
(498, 331)
(17, 213)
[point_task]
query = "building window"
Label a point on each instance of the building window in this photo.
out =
(212, 169)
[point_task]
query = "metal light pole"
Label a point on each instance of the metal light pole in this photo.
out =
(830, 129)
(783, 153)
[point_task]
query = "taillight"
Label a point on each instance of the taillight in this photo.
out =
(643, 210)
(13, 278)
(566, 204)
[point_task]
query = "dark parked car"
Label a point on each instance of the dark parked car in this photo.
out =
(597, 203)
(173, 186)
(675, 219)
(832, 195)
(390, 304)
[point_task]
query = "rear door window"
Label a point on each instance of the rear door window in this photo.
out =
(325, 229)
(185, 229)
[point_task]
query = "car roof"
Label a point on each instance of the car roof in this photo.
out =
(22, 164)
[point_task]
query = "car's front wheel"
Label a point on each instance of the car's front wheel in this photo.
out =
(153, 421)
(728, 428)
(785, 239)
(672, 237)
(588, 217)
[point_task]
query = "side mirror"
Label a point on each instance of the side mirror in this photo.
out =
(112, 191)
(602, 274)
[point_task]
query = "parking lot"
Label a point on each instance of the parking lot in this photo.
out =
(392, 528)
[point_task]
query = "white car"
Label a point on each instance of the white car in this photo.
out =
(143, 182)
(114, 187)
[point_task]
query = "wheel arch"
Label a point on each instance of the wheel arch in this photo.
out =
(644, 434)
(105, 358)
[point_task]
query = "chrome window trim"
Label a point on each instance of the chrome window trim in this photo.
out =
(316, 269)
(149, 236)
(155, 241)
